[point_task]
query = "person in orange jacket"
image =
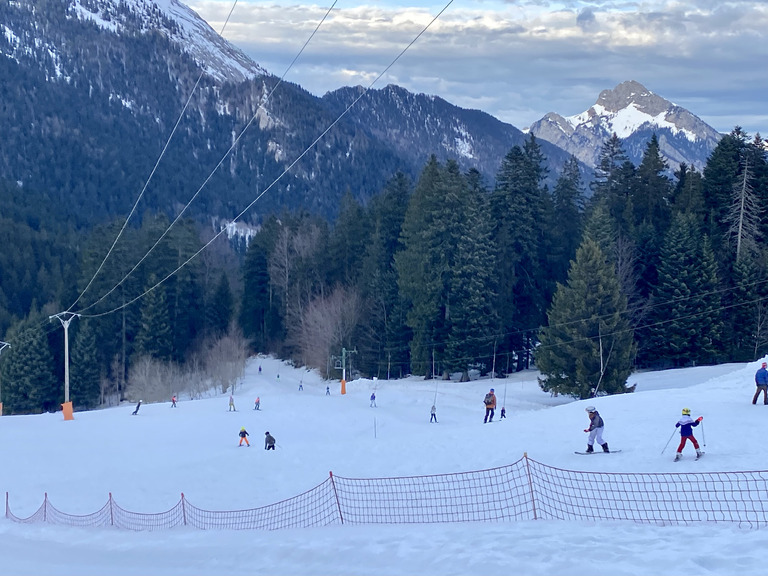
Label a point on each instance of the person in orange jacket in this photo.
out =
(490, 406)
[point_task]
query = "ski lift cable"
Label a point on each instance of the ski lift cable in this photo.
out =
(276, 180)
(149, 178)
(218, 165)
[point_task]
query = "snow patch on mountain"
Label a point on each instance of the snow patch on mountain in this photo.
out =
(220, 59)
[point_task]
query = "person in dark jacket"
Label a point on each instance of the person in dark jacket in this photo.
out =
(244, 437)
(686, 425)
(433, 415)
(761, 381)
(595, 430)
(137, 409)
(269, 441)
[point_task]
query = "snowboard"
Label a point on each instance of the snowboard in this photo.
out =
(597, 452)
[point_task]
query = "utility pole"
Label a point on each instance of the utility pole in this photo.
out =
(2, 346)
(65, 322)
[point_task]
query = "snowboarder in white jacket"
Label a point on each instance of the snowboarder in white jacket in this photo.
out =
(595, 430)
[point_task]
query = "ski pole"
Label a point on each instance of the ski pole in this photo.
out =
(670, 440)
(703, 436)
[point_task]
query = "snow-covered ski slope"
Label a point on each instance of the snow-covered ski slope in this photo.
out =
(147, 461)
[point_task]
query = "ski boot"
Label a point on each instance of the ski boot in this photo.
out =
(678, 456)
(590, 449)
(605, 447)
(699, 454)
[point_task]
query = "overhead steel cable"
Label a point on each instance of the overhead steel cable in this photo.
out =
(268, 188)
(261, 106)
(151, 174)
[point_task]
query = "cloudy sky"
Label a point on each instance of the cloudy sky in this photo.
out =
(518, 60)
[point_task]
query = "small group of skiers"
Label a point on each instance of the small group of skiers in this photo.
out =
(269, 440)
(686, 425)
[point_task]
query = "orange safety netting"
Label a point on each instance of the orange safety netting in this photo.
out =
(525, 490)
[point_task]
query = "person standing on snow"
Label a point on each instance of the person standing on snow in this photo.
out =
(490, 406)
(244, 436)
(327, 390)
(257, 404)
(503, 413)
(761, 381)
(137, 409)
(373, 399)
(595, 430)
(232, 404)
(269, 441)
(686, 425)
(433, 415)
(173, 401)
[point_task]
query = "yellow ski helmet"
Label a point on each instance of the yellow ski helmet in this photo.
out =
(686, 411)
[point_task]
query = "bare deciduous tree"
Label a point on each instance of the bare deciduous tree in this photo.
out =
(327, 324)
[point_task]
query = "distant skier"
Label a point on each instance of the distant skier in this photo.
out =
(244, 437)
(503, 413)
(761, 381)
(232, 404)
(269, 441)
(490, 406)
(595, 430)
(433, 415)
(173, 401)
(137, 409)
(373, 399)
(327, 390)
(259, 369)
(301, 386)
(686, 425)
(257, 404)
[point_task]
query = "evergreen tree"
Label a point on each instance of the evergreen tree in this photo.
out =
(154, 337)
(517, 205)
(684, 324)
(688, 194)
(255, 302)
(29, 385)
(652, 189)
(220, 308)
(472, 289)
(747, 312)
(587, 348)
(347, 242)
(84, 370)
(565, 226)
(612, 185)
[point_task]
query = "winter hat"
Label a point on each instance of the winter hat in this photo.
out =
(266, 433)
(243, 428)
(686, 411)
(491, 389)
(765, 364)
(590, 409)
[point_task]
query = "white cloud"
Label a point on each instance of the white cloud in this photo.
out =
(523, 59)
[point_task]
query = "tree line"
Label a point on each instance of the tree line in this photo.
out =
(639, 267)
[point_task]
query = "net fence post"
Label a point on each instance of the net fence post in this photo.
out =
(336, 495)
(530, 484)
(45, 507)
(183, 510)
(111, 510)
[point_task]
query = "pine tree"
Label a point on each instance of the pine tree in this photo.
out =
(652, 189)
(255, 302)
(684, 324)
(517, 205)
(472, 289)
(154, 337)
(29, 384)
(612, 185)
(84, 370)
(220, 308)
(566, 223)
(587, 348)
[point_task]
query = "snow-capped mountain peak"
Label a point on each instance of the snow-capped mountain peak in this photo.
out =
(220, 59)
(634, 113)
